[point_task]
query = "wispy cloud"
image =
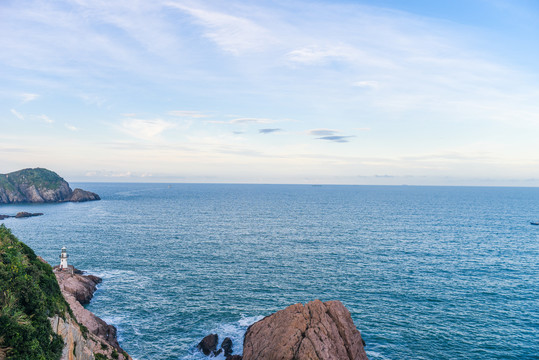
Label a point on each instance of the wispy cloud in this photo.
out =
(71, 127)
(269, 131)
(233, 34)
(27, 97)
(45, 118)
(251, 121)
(336, 138)
(17, 114)
(146, 129)
(367, 84)
(187, 114)
(322, 132)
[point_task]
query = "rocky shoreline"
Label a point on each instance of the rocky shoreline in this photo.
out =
(78, 289)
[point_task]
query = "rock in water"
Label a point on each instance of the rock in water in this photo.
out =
(315, 331)
(227, 346)
(80, 195)
(24, 214)
(208, 344)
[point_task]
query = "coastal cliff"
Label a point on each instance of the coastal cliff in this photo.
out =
(41, 315)
(77, 290)
(39, 186)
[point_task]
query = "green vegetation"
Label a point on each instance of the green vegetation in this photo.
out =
(100, 357)
(29, 295)
(41, 178)
(5, 184)
(114, 354)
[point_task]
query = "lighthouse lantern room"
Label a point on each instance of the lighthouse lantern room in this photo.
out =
(63, 259)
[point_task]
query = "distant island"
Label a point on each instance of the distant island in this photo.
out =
(39, 186)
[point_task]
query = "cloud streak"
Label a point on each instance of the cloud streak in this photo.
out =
(145, 129)
(336, 138)
(269, 131)
(17, 114)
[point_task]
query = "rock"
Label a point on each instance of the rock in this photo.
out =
(80, 195)
(208, 344)
(2, 217)
(39, 186)
(226, 345)
(81, 287)
(234, 357)
(78, 289)
(315, 331)
(24, 214)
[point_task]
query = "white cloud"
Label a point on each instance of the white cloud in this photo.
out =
(233, 34)
(17, 114)
(28, 97)
(71, 127)
(321, 54)
(45, 118)
(251, 121)
(146, 129)
(187, 113)
(368, 84)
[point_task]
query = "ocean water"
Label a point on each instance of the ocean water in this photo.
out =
(426, 272)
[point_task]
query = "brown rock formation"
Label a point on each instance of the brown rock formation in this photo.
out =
(78, 289)
(315, 331)
(80, 195)
(208, 344)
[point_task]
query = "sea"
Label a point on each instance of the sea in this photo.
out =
(426, 272)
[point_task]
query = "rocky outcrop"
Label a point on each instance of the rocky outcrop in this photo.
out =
(208, 344)
(19, 215)
(81, 287)
(315, 331)
(39, 186)
(80, 195)
(78, 289)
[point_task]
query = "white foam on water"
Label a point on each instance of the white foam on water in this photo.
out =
(373, 355)
(235, 331)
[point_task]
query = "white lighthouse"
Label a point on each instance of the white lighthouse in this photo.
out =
(63, 259)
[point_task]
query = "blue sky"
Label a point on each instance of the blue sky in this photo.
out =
(349, 92)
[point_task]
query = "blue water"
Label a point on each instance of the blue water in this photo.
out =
(426, 272)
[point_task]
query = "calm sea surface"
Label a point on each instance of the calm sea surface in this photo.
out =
(427, 272)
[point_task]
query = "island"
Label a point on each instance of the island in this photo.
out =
(39, 185)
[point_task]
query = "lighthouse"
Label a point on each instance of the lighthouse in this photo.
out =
(63, 259)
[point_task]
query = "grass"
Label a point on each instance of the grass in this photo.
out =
(41, 178)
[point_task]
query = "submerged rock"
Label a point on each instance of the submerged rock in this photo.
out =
(315, 331)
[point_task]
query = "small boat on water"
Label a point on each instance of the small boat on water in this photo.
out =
(534, 223)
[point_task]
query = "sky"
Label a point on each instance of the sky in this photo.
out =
(381, 92)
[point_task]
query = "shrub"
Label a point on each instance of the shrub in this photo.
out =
(29, 295)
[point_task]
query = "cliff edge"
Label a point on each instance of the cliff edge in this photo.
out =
(39, 186)
(41, 319)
